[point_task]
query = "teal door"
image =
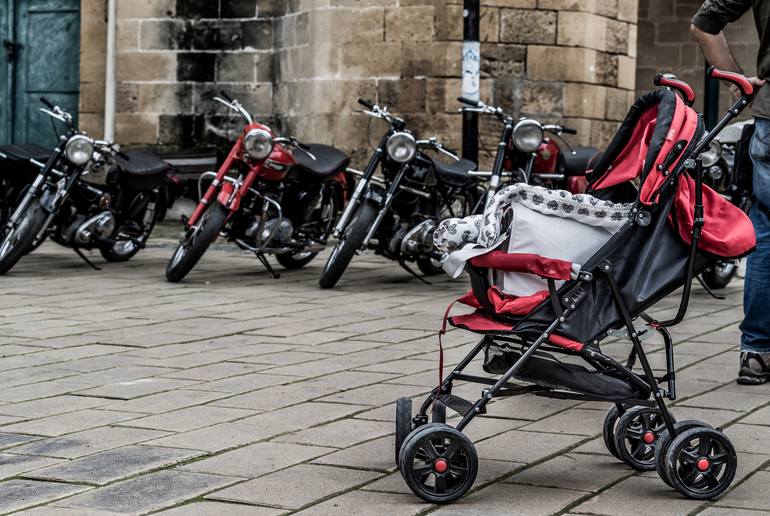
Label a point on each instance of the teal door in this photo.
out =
(40, 57)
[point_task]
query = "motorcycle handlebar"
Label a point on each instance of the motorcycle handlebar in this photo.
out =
(682, 87)
(468, 102)
(747, 89)
(568, 130)
(225, 96)
(368, 104)
(50, 105)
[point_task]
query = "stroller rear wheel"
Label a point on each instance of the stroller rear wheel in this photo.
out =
(608, 431)
(701, 463)
(664, 441)
(636, 437)
(438, 463)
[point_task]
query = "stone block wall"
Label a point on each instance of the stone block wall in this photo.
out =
(665, 44)
(301, 64)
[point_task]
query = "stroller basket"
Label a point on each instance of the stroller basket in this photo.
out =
(545, 370)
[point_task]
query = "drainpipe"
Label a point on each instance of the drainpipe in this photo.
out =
(109, 77)
(471, 76)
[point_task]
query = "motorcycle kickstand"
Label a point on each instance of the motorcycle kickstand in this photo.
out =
(85, 259)
(410, 271)
(267, 265)
(713, 294)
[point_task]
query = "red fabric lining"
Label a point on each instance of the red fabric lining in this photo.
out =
(479, 322)
(564, 342)
(523, 262)
(515, 305)
(470, 299)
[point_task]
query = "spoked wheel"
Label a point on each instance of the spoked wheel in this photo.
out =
(608, 431)
(438, 463)
(195, 242)
(664, 441)
(636, 435)
(403, 422)
(701, 463)
(19, 240)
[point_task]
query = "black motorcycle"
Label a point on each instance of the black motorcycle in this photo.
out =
(728, 170)
(87, 194)
(396, 212)
(19, 166)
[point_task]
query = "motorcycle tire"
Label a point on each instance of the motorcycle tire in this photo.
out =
(720, 275)
(20, 241)
(121, 251)
(349, 243)
(196, 242)
(428, 266)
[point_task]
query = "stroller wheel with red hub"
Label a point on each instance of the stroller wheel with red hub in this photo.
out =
(665, 440)
(608, 431)
(636, 436)
(438, 463)
(701, 463)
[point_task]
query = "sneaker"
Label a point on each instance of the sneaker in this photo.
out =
(755, 368)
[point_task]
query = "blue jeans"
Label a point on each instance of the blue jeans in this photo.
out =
(755, 328)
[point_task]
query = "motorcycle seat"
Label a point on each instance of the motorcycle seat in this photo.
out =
(25, 152)
(455, 174)
(578, 162)
(143, 170)
(320, 161)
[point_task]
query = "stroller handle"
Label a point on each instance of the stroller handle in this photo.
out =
(682, 87)
(747, 89)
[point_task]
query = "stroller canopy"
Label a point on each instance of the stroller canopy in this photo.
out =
(654, 139)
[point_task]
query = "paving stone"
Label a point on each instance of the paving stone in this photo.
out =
(148, 492)
(17, 494)
(500, 498)
(51, 510)
(518, 446)
(108, 466)
(215, 371)
(340, 434)
(87, 442)
(572, 421)
(166, 401)
(134, 388)
(749, 438)
(11, 440)
(51, 406)
(731, 511)
(358, 503)
(257, 459)
(13, 465)
(633, 496)
(727, 400)
(190, 418)
(70, 422)
(580, 472)
(218, 509)
(295, 487)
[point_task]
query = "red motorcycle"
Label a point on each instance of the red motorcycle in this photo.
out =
(270, 196)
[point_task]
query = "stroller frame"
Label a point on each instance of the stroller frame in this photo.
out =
(646, 383)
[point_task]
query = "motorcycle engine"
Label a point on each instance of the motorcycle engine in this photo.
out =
(85, 231)
(419, 240)
(281, 231)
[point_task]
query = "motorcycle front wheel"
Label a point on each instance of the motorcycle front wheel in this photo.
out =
(195, 242)
(348, 244)
(720, 275)
(18, 241)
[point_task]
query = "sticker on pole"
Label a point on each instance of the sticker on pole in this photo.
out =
(471, 69)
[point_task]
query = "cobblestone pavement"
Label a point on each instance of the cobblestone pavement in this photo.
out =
(235, 393)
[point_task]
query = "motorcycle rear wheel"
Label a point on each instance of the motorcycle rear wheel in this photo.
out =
(349, 243)
(328, 214)
(20, 240)
(720, 275)
(196, 242)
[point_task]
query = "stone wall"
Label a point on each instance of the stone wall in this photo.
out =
(665, 44)
(300, 65)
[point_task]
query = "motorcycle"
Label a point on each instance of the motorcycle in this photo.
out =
(395, 213)
(87, 194)
(19, 165)
(524, 153)
(270, 196)
(728, 170)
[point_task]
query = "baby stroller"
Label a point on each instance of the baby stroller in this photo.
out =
(668, 228)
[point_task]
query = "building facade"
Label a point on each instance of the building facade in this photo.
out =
(300, 65)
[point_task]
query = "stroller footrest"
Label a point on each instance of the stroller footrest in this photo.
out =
(456, 403)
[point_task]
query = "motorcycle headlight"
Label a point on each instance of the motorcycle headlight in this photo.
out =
(527, 135)
(258, 144)
(401, 147)
(710, 156)
(79, 149)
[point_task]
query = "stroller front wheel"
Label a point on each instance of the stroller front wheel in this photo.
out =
(664, 441)
(438, 463)
(701, 463)
(608, 431)
(637, 435)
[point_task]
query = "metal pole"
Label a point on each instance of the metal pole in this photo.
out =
(710, 100)
(471, 76)
(109, 76)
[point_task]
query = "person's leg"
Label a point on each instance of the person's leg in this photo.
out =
(755, 329)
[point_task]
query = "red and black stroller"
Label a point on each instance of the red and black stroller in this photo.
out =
(672, 228)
